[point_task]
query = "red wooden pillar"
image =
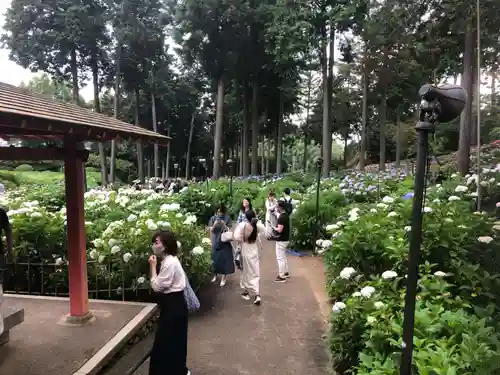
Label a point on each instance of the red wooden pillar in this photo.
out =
(76, 242)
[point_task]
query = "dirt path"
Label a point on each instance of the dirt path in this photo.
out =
(283, 336)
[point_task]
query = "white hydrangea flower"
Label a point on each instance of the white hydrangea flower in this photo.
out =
(387, 275)
(367, 291)
(93, 254)
(59, 261)
(347, 273)
(198, 250)
(127, 257)
(338, 306)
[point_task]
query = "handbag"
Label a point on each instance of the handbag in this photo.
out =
(237, 260)
(227, 236)
(193, 303)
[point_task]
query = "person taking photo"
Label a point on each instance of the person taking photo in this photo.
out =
(281, 234)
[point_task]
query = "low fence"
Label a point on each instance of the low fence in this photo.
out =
(49, 278)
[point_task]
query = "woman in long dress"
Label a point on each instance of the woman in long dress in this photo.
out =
(222, 252)
(271, 217)
(169, 352)
(246, 234)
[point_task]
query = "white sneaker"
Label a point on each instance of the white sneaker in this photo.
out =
(189, 372)
(223, 281)
(214, 279)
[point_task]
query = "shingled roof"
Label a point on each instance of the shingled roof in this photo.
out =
(24, 114)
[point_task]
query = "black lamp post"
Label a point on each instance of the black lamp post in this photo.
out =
(230, 164)
(439, 104)
(176, 167)
(319, 164)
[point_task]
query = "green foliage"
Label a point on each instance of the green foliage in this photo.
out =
(24, 168)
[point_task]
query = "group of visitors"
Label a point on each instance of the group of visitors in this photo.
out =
(244, 246)
(233, 247)
(172, 186)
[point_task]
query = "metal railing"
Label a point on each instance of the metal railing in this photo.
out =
(48, 278)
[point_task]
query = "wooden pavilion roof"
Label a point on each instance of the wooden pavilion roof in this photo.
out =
(27, 115)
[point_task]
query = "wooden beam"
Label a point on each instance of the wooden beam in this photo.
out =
(38, 154)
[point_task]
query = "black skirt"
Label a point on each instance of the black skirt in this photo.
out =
(169, 353)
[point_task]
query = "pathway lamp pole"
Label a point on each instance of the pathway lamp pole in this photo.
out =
(439, 104)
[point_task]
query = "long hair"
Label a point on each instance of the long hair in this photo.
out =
(252, 219)
(242, 208)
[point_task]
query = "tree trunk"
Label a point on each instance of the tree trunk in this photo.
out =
(219, 120)
(148, 168)
(190, 139)
(466, 116)
(473, 121)
(244, 133)
(493, 84)
(306, 127)
(255, 130)
(240, 153)
(262, 155)
(116, 108)
(346, 139)
(382, 135)
(364, 115)
(167, 158)
(97, 108)
(140, 150)
(279, 139)
(398, 139)
(327, 99)
(74, 77)
(156, 151)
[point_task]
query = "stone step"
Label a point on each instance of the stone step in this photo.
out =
(11, 317)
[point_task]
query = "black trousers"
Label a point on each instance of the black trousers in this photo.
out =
(169, 353)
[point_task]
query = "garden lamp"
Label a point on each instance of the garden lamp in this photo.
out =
(319, 164)
(176, 167)
(230, 164)
(439, 104)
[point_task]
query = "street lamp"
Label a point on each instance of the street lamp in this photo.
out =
(230, 164)
(176, 167)
(319, 164)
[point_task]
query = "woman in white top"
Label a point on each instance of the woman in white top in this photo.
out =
(271, 217)
(246, 233)
(169, 352)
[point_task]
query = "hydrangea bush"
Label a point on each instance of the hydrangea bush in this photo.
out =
(365, 253)
(119, 225)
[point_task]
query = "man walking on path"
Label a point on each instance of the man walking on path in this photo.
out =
(282, 231)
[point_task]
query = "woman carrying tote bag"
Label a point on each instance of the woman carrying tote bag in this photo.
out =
(169, 353)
